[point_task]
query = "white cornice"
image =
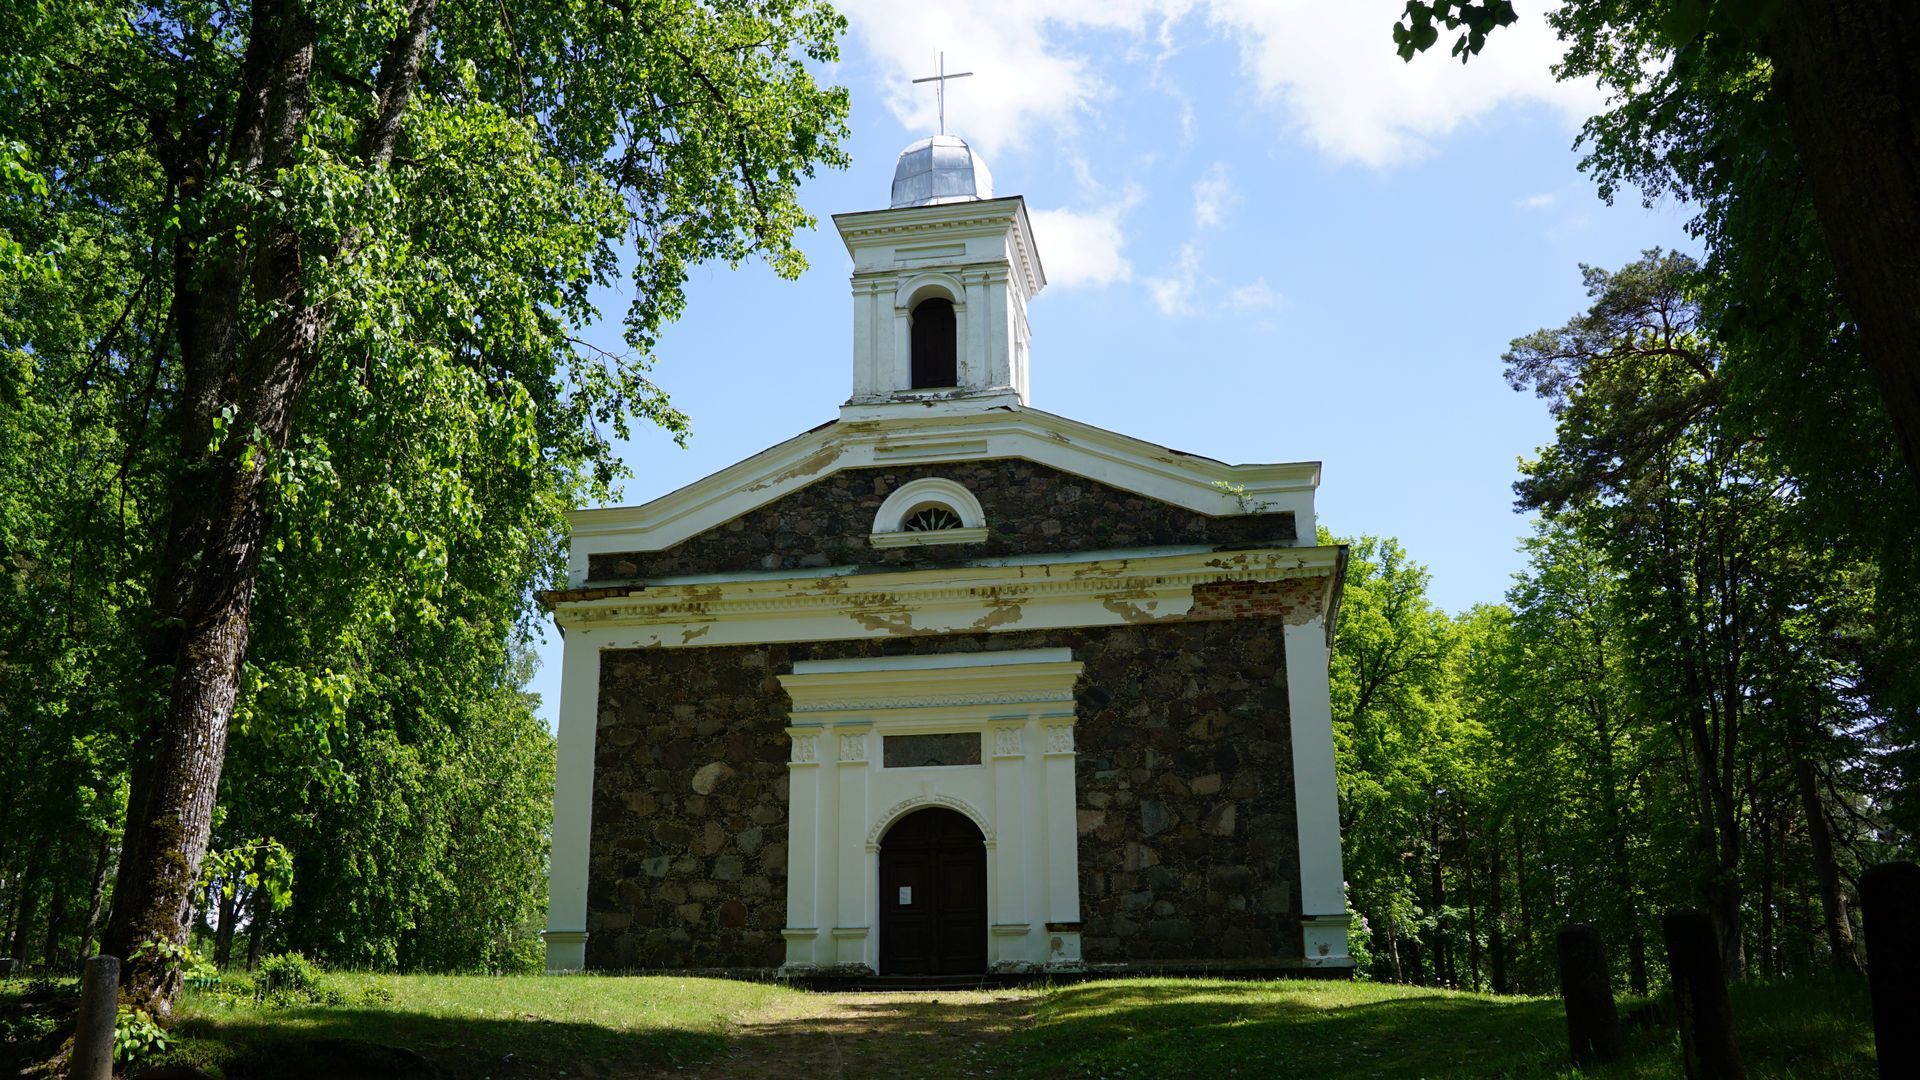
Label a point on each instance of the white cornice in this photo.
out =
(991, 596)
(1194, 483)
(999, 684)
(986, 217)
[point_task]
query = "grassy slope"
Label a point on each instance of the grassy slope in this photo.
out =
(593, 1027)
(531, 1025)
(1165, 1027)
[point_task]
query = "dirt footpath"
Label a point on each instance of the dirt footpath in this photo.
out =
(934, 1033)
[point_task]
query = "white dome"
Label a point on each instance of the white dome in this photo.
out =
(941, 169)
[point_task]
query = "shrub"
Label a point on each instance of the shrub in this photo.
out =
(375, 994)
(46, 988)
(233, 989)
(289, 978)
(289, 973)
(136, 1037)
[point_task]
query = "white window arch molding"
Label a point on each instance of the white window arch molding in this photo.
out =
(930, 286)
(890, 525)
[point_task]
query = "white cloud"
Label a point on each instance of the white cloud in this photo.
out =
(1330, 67)
(1024, 77)
(1177, 293)
(1255, 295)
(1535, 202)
(1084, 247)
(1333, 68)
(1213, 196)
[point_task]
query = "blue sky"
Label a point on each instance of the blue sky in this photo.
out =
(1266, 239)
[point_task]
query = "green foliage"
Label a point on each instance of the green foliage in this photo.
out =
(262, 867)
(48, 988)
(289, 974)
(136, 1037)
(174, 957)
(1686, 686)
(1396, 728)
(1415, 31)
(387, 783)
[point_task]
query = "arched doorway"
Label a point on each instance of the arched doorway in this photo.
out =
(933, 895)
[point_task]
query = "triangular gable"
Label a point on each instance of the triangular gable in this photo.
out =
(1195, 483)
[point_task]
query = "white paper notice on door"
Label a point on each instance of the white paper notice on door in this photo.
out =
(906, 895)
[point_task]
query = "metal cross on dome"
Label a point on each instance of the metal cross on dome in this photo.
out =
(940, 88)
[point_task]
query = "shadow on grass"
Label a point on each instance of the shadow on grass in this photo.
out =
(310, 1044)
(1163, 1030)
(927, 1036)
(1812, 1028)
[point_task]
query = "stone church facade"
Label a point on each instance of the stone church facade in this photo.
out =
(950, 684)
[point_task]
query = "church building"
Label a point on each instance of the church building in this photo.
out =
(950, 684)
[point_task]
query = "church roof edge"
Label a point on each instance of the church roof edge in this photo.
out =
(1195, 482)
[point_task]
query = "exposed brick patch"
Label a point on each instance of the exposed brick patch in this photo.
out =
(1030, 509)
(1294, 600)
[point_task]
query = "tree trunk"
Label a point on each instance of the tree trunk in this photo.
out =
(1848, 73)
(1473, 921)
(1769, 962)
(97, 905)
(1637, 959)
(256, 931)
(1833, 903)
(23, 914)
(1497, 935)
(1393, 951)
(1437, 891)
(218, 520)
(25, 901)
(1520, 887)
(223, 933)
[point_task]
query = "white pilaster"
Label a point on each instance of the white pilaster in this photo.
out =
(1323, 903)
(803, 931)
(976, 368)
(1063, 835)
(566, 934)
(1013, 860)
(851, 900)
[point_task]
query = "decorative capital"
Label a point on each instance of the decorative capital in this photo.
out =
(1006, 742)
(806, 749)
(1059, 738)
(853, 746)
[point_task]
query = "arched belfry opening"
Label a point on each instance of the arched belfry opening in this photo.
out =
(933, 895)
(936, 357)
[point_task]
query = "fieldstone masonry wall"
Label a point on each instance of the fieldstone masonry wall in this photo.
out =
(1030, 509)
(1188, 843)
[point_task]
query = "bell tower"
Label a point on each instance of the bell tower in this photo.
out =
(941, 281)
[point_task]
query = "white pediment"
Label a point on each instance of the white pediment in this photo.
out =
(1195, 483)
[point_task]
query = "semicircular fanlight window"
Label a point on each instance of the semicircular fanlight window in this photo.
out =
(932, 519)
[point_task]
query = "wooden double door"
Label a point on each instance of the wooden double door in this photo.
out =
(933, 895)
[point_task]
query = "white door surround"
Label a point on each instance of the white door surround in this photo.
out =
(1020, 794)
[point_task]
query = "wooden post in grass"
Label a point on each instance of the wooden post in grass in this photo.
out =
(93, 1024)
(1586, 985)
(1707, 1047)
(1890, 906)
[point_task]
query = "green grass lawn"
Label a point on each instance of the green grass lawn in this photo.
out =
(474, 1025)
(1174, 1027)
(586, 1027)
